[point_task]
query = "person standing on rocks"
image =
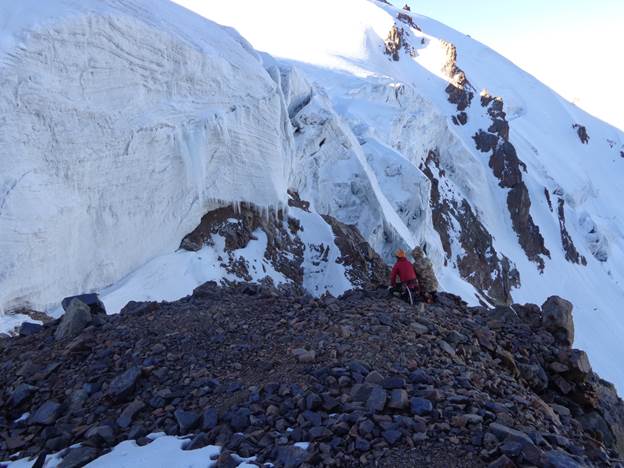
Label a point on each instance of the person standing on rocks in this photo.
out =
(426, 277)
(403, 270)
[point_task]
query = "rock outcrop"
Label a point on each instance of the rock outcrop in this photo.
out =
(508, 169)
(571, 253)
(287, 249)
(581, 131)
(460, 91)
(481, 265)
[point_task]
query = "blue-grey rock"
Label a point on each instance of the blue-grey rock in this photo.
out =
(377, 400)
(392, 436)
(421, 406)
(127, 415)
(210, 418)
(47, 413)
(187, 420)
(22, 393)
(124, 384)
(29, 328)
(78, 457)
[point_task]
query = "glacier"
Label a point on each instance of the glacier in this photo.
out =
(122, 124)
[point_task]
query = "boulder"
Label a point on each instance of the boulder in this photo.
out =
(291, 457)
(421, 406)
(557, 319)
(580, 368)
(90, 300)
(77, 317)
(187, 420)
(504, 433)
(535, 375)
(127, 415)
(101, 435)
(559, 459)
(123, 385)
(21, 393)
(46, 414)
(376, 400)
(77, 457)
(594, 424)
(29, 329)
(398, 399)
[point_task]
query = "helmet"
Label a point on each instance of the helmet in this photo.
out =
(400, 253)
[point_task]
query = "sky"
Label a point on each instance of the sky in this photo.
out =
(573, 46)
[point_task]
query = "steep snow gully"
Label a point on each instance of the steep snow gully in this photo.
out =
(123, 122)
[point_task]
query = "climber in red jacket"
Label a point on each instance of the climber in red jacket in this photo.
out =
(404, 270)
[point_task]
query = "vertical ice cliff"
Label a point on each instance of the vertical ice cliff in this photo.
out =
(121, 124)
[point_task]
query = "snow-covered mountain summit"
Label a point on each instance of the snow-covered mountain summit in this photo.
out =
(130, 120)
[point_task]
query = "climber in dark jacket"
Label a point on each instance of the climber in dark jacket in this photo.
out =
(404, 270)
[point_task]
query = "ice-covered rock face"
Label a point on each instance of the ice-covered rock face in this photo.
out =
(119, 127)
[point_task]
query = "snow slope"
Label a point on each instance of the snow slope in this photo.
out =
(164, 451)
(390, 114)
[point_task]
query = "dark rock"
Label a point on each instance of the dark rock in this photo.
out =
(201, 440)
(313, 418)
(392, 436)
(313, 401)
(419, 376)
(21, 393)
(485, 141)
(377, 399)
(362, 444)
(56, 444)
(319, 432)
(557, 319)
(127, 415)
(91, 300)
(187, 420)
(29, 328)
(391, 383)
(398, 399)
(359, 367)
(502, 462)
(78, 457)
(46, 414)
(594, 424)
(559, 459)
(77, 316)
(374, 378)
(504, 433)
(535, 375)
(124, 384)
(361, 392)
(226, 460)
(581, 131)
(139, 308)
(101, 435)
(421, 406)
(366, 427)
(291, 457)
(511, 448)
(240, 420)
(210, 418)
(580, 368)
(532, 454)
